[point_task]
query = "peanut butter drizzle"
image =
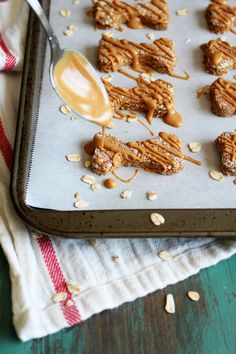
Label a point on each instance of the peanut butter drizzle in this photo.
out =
(103, 135)
(172, 117)
(185, 77)
(97, 143)
(130, 12)
(227, 90)
(120, 115)
(129, 180)
(164, 154)
(190, 159)
(84, 96)
(123, 116)
(159, 9)
(98, 160)
(151, 94)
(216, 58)
(217, 50)
(146, 127)
(133, 19)
(161, 47)
(223, 13)
(229, 146)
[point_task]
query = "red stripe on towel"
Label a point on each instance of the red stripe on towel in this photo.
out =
(10, 58)
(5, 147)
(71, 313)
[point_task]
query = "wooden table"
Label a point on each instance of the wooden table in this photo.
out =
(143, 327)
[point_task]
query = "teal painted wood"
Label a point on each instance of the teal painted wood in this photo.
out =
(143, 327)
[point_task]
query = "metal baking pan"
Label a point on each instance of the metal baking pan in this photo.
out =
(89, 224)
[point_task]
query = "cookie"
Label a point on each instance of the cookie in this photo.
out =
(163, 154)
(152, 98)
(222, 94)
(219, 57)
(221, 17)
(142, 57)
(110, 13)
(226, 145)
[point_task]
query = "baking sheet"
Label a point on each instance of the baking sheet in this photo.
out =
(53, 180)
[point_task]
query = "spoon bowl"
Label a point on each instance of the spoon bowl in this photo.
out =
(74, 78)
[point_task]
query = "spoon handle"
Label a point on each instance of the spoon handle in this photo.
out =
(52, 38)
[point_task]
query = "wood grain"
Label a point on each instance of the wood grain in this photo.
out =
(143, 327)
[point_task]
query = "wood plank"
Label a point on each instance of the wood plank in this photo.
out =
(143, 327)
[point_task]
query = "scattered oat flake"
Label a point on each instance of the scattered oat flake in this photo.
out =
(216, 175)
(36, 236)
(58, 297)
(73, 119)
(76, 195)
(170, 304)
(224, 39)
(72, 27)
(95, 187)
(65, 109)
(182, 12)
(107, 77)
(150, 36)
(73, 287)
(75, 2)
(234, 77)
(151, 195)
(195, 147)
(234, 181)
(126, 194)
(87, 163)
(109, 34)
(111, 125)
(93, 242)
(194, 295)
(88, 179)
(69, 303)
(116, 259)
(188, 40)
(68, 32)
(165, 256)
(80, 204)
(157, 219)
(73, 157)
(65, 13)
(145, 76)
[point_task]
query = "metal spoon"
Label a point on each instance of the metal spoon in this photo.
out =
(82, 88)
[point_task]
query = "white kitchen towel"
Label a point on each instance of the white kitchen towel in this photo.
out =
(13, 28)
(46, 272)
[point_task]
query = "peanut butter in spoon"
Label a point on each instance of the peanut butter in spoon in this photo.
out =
(78, 85)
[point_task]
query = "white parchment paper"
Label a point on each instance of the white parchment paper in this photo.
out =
(53, 180)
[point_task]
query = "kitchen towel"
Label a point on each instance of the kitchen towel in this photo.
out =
(57, 283)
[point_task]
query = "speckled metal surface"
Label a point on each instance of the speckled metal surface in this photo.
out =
(89, 224)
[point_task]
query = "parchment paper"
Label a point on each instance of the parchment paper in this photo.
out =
(53, 180)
